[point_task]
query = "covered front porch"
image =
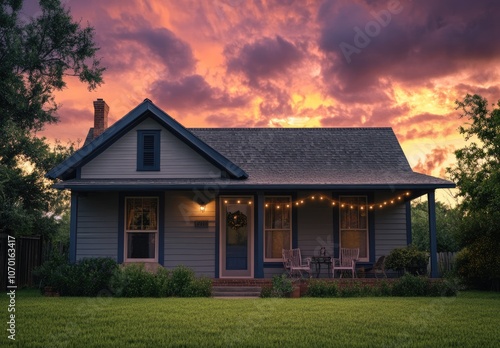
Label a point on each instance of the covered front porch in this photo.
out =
(252, 230)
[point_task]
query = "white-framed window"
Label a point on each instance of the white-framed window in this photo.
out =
(354, 224)
(141, 229)
(277, 226)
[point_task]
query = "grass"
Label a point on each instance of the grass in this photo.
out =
(470, 320)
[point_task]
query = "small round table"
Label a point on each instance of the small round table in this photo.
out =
(318, 260)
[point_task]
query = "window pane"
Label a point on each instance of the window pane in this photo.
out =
(141, 214)
(141, 245)
(277, 226)
(354, 224)
(355, 239)
(276, 241)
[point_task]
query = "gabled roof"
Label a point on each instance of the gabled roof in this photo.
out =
(67, 169)
(318, 156)
(267, 158)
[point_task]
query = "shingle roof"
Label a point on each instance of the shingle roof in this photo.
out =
(269, 157)
(333, 156)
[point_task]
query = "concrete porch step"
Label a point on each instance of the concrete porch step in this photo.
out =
(236, 291)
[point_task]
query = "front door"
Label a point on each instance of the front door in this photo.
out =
(236, 237)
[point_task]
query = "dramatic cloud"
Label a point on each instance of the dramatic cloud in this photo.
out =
(408, 42)
(434, 161)
(264, 59)
(174, 53)
(193, 92)
(308, 63)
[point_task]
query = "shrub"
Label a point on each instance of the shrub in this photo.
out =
(180, 281)
(282, 286)
(163, 282)
(321, 288)
(444, 287)
(87, 277)
(199, 287)
(410, 285)
(134, 281)
(408, 259)
(266, 292)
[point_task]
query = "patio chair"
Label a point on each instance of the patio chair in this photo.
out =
(346, 262)
(378, 267)
(293, 263)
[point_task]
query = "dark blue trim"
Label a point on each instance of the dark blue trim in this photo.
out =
(121, 227)
(66, 169)
(273, 265)
(147, 184)
(259, 235)
(141, 151)
(73, 227)
(79, 172)
(431, 203)
(409, 237)
(161, 229)
(217, 237)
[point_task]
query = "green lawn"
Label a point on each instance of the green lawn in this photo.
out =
(470, 320)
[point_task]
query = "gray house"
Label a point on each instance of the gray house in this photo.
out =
(226, 201)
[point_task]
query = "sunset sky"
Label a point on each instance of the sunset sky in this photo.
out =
(236, 63)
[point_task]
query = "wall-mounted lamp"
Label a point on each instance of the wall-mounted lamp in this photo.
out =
(202, 208)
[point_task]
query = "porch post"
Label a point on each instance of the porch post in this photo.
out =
(259, 236)
(431, 204)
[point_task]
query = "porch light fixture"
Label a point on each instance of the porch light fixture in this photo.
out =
(202, 208)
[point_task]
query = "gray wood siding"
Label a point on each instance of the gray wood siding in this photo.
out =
(271, 272)
(97, 226)
(390, 227)
(315, 227)
(185, 244)
(177, 160)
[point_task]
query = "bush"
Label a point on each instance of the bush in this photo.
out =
(88, 277)
(134, 281)
(199, 287)
(282, 286)
(163, 282)
(321, 288)
(180, 281)
(410, 285)
(408, 259)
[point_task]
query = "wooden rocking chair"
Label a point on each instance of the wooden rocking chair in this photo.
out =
(293, 263)
(378, 267)
(347, 261)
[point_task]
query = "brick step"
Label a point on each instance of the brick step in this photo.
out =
(236, 291)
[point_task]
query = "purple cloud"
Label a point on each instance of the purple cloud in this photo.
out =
(193, 92)
(264, 59)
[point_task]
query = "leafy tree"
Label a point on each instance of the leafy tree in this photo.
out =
(447, 222)
(477, 175)
(36, 56)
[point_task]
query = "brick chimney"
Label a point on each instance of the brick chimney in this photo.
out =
(101, 111)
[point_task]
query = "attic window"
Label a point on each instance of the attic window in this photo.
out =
(148, 150)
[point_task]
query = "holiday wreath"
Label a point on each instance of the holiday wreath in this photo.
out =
(236, 220)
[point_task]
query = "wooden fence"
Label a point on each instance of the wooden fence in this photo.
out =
(445, 263)
(28, 256)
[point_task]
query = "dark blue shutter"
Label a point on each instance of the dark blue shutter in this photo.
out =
(148, 150)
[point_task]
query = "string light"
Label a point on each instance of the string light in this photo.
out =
(335, 201)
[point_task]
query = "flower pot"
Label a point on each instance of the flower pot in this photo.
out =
(296, 292)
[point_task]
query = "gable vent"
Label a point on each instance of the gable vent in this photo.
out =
(149, 151)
